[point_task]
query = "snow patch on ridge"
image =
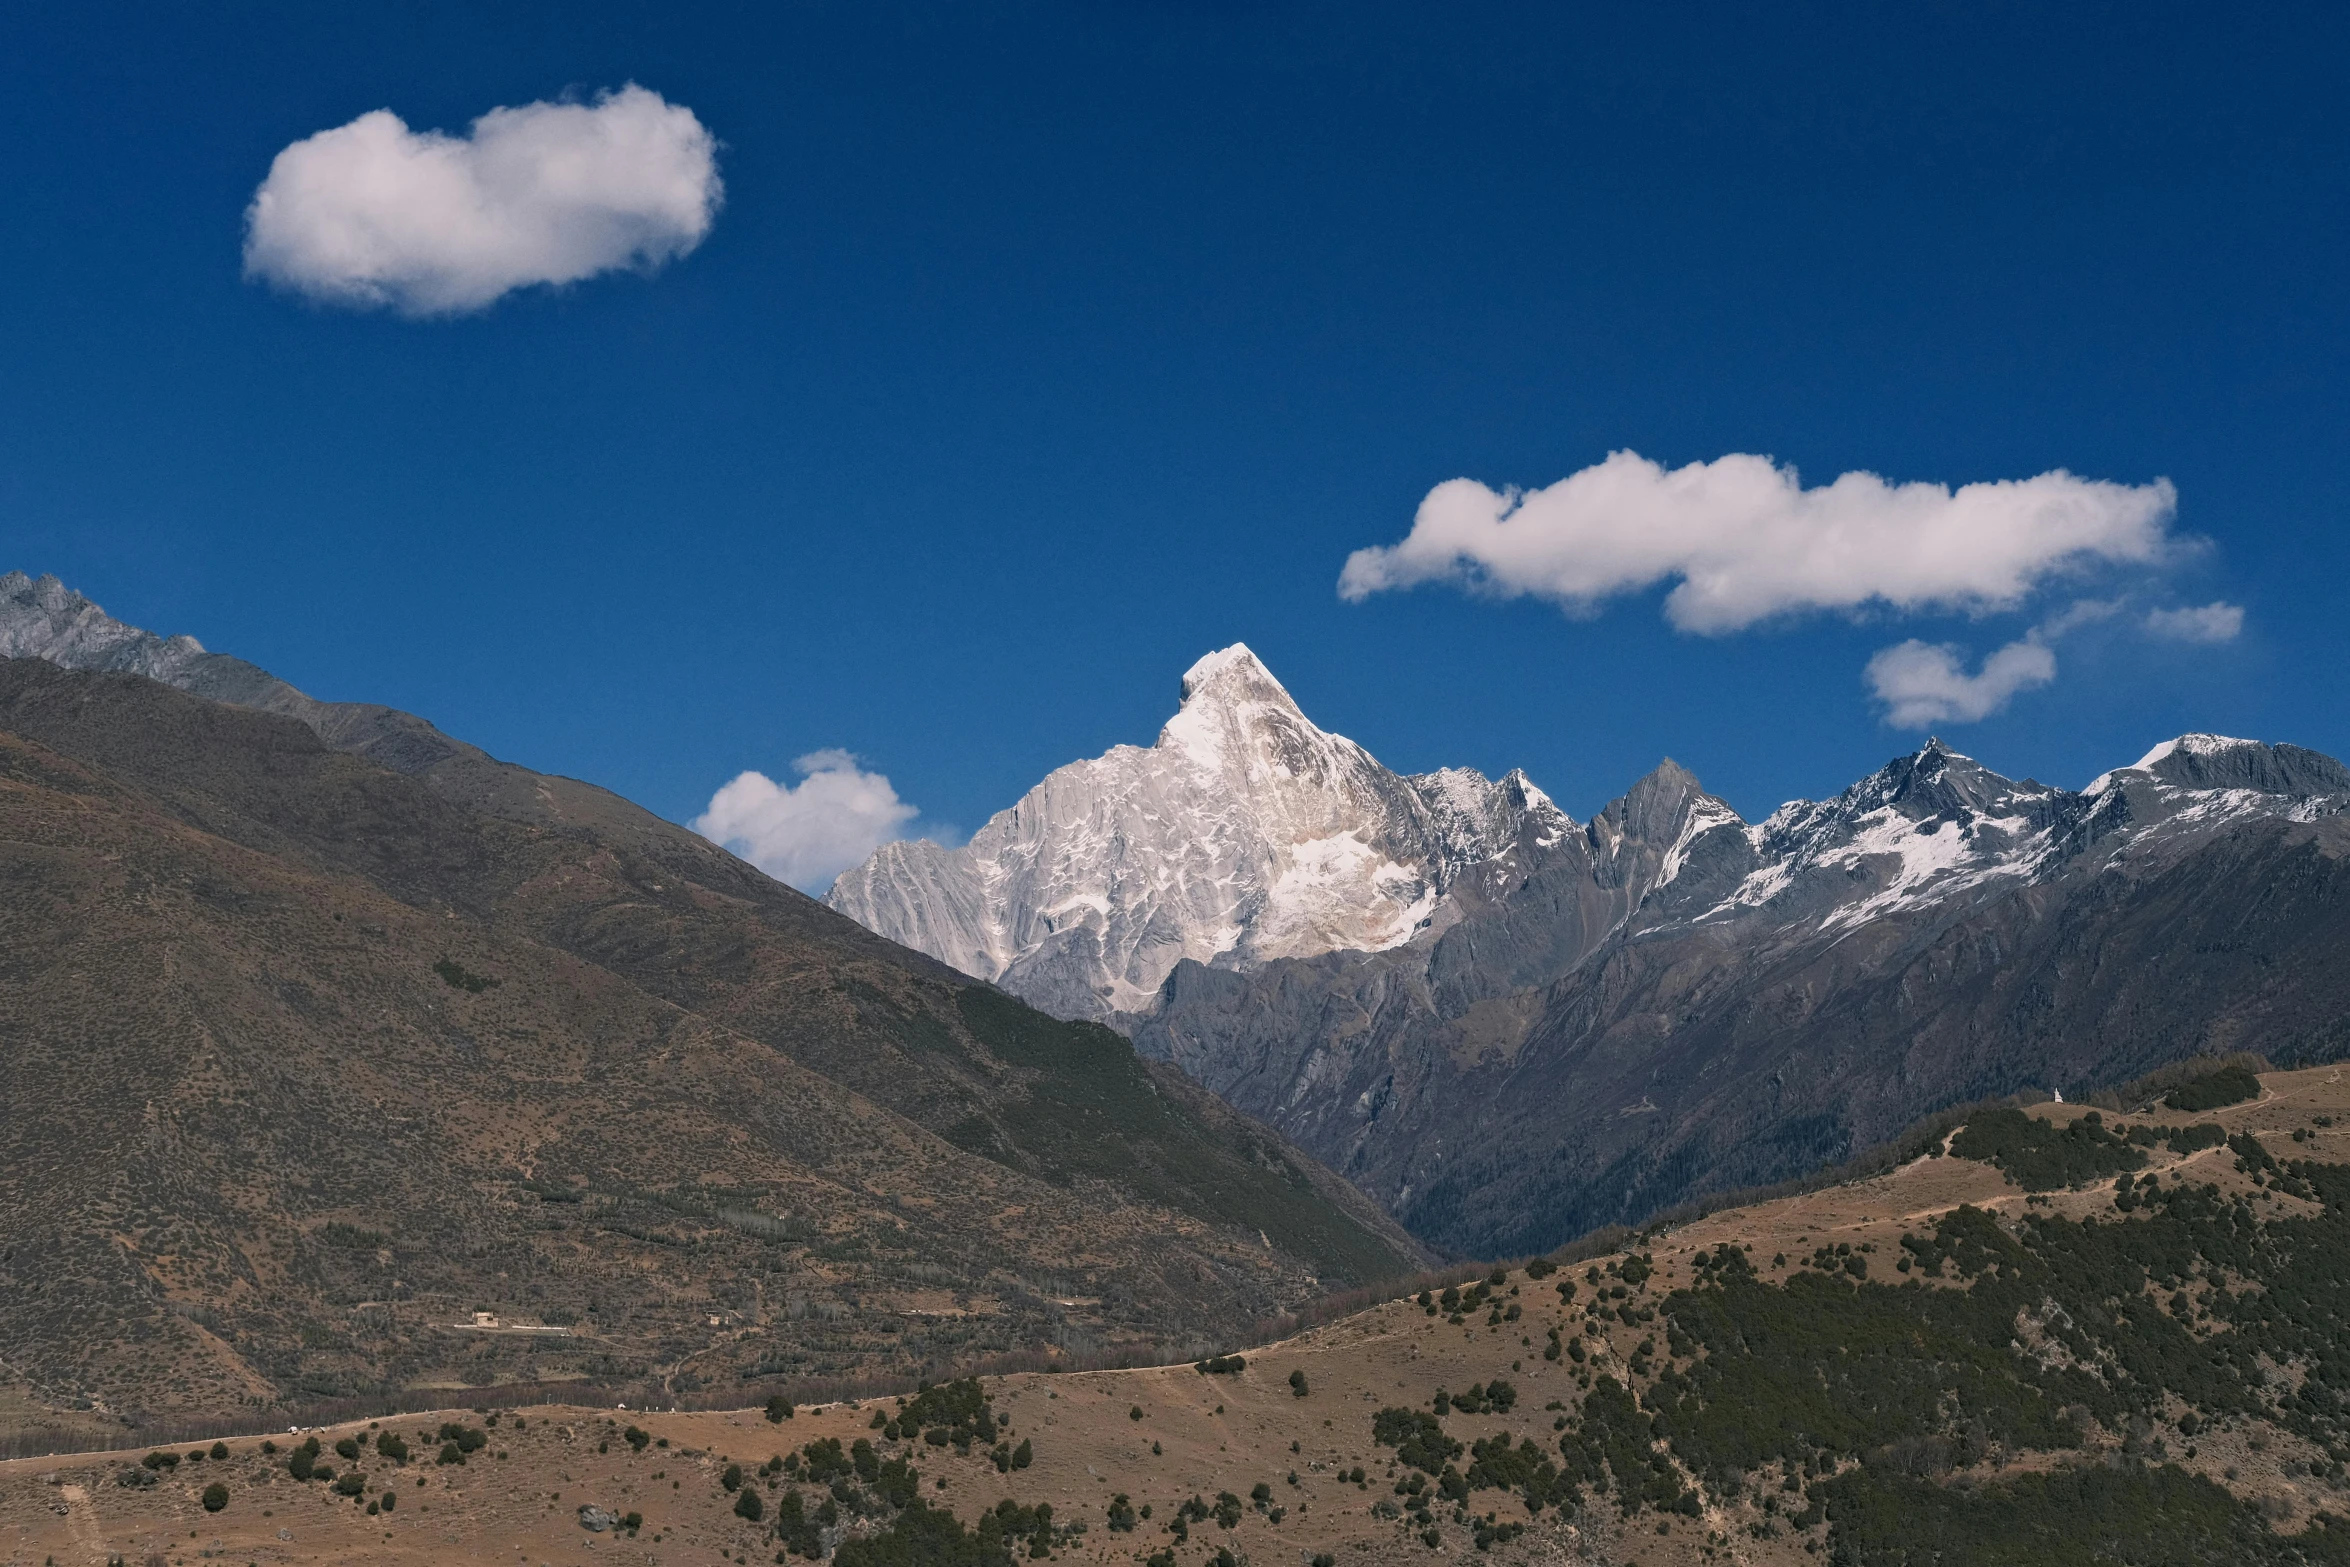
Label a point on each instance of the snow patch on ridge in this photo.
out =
(1705, 814)
(2193, 745)
(2187, 744)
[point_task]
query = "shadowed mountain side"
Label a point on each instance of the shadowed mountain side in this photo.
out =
(1693, 1058)
(306, 1060)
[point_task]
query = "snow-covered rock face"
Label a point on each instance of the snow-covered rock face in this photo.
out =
(1244, 834)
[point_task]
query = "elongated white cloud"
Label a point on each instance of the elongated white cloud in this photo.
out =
(1924, 683)
(2205, 623)
(1747, 541)
(809, 832)
(374, 214)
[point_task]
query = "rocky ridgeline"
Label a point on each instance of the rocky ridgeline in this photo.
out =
(1509, 1025)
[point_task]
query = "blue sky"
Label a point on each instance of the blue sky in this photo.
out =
(1036, 350)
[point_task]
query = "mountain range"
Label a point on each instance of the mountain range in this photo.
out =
(321, 1032)
(1511, 1027)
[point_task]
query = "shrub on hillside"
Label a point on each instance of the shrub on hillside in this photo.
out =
(2230, 1085)
(2041, 1156)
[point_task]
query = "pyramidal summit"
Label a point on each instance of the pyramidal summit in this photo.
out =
(1243, 834)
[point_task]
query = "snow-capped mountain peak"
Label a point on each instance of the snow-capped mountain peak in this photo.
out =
(1236, 715)
(1244, 834)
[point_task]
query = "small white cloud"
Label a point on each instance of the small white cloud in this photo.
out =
(372, 213)
(2081, 612)
(807, 833)
(2207, 623)
(1924, 683)
(1748, 541)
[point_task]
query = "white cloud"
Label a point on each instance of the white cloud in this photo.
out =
(1924, 683)
(807, 833)
(2081, 612)
(1747, 541)
(372, 213)
(2206, 623)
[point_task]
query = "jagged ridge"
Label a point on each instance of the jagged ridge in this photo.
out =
(1247, 835)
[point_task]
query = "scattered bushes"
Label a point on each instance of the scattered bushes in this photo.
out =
(1417, 1436)
(468, 1439)
(956, 1412)
(1495, 1397)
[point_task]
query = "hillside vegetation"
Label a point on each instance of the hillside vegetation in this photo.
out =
(1943, 1364)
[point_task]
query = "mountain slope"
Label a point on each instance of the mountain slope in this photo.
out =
(1585, 1023)
(305, 1059)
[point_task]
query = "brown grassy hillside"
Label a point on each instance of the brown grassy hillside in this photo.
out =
(2200, 1483)
(303, 1061)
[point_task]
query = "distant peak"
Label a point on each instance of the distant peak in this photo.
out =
(1668, 779)
(1233, 674)
(44, 592)
(1211, 666)
(1654, 809)
(40, 617)
(1528, 791)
